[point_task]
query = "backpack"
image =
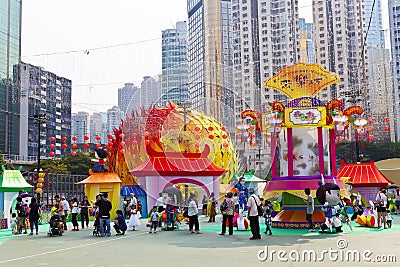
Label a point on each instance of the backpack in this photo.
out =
(24, 210)
(259, 208)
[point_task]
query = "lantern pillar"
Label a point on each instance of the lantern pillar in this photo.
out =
(332, 138)
(273, 154)
(290, 150)
(321, 151)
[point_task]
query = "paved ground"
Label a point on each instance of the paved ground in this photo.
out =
(180, 248)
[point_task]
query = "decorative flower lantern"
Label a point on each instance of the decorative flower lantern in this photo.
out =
(340, 124)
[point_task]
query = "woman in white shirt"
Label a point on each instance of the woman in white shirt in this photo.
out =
(193, 213)
(75, 211)
(381, 201)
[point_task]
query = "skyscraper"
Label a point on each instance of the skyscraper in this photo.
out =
(125, 96)
(306, 41)
(265, 39)
(114, 116)
(375, 35)
(43, 92)
(10, 57)
(80, 126)
(339, 35)
(394, 20)
(96, 125)
(210, 57)
(174, 78)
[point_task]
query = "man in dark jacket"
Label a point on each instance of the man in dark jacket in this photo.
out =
(104, 214)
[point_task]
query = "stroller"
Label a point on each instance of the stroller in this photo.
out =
(54, 226)
(96, 224)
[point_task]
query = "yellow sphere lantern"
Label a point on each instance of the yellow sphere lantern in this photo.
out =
(39, 190)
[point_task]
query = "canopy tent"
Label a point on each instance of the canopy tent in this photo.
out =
(363, 175)
(13, 181)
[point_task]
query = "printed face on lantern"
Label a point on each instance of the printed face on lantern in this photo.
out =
(241, 181)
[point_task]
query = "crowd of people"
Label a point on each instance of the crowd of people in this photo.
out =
(384, 204)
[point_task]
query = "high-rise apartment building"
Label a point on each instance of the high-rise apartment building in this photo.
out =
(10, 57)
(148, 94)
(175, 76)
(375, 35)
(394, 21)
(339, 35)
(114, 117)
(43, 93)
(210, 58)
(125, 96)
(265, 39)
(96, 125)
(306, 37)
(80, 126)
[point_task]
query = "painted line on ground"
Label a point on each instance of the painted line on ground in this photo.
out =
(74, 247)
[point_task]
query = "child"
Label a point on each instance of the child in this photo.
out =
(133, 220)
(119, 223)
(154, 220)
(13, 223)
(389, 220)
(268, 217)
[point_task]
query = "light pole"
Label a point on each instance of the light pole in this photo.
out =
(39, 119)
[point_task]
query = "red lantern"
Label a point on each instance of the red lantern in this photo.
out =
(52, 154)
(369, 120)
(197, 136)
(64, 146)
(86, 138)
(74, 138)
(225, 145)
(109, 136)
(64, 139)
(197, 128)
(197, 145)
(387, 128)
(224, 136)
(86, 145)
(52, 139)
(386, 119)
(73, 153)
(223, 128)
(74, 146)
(253, 144)
(211, 136)
(210, 128)
(52, 146)
(98, 145)
(371, 137)
(98, 138)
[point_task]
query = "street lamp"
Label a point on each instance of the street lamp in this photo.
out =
(39, 119)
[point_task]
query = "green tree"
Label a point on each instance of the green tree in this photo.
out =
(7, 165)
(80, 164)
(55, 166)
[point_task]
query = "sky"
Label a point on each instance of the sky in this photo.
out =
(101, 44)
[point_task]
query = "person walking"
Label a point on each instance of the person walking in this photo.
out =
(104, 214)
(20, 207)
(74, 212)
(193, 213)
(84, 206)
(213, 209)
(204, 202)
(34, 210)
(227, 213)
(252, 204)
(268, 217)
(310, 208)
